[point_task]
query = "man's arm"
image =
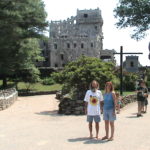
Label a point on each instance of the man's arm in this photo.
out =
(85, 107)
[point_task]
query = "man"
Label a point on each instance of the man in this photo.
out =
(92, 99)
(142, 94)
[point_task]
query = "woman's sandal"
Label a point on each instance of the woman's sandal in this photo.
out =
(110, 139)
(105, 138)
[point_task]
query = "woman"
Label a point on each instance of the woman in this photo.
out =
(109, 114)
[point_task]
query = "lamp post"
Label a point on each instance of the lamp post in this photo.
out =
(121, 67)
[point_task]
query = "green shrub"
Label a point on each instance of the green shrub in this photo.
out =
(48, 81)
(78, 74)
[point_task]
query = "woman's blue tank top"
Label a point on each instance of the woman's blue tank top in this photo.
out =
(108, 101)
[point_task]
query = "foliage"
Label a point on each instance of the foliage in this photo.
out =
(78, 74)
(129, 81)
(22, 23)
(48, 81)
(134, 13)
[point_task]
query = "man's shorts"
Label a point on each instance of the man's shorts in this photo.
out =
(108, 115)
(95, 118)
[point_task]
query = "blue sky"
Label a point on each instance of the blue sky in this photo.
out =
(113, 37)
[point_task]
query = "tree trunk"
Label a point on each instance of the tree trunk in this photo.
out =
(4, 82)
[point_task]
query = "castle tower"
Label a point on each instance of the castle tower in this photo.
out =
(132, 63)
(76, 36)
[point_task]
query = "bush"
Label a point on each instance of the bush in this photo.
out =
(48, 81)
(78, 74)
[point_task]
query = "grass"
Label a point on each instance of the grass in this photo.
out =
(35, 87)
(41, 87)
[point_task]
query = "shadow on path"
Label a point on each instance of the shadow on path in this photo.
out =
(49, 113)
(133, 115)
(86, 140)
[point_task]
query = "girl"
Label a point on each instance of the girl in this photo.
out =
(118, 101)
(109, 114)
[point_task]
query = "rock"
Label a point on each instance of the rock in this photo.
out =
(68, 112)
(80, 108)
(77, 112)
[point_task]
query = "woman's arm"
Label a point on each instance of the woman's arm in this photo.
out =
(114, 99)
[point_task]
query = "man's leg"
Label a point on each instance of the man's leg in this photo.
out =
(139, 108)
(97, 129)
(90, 120)
(90, 129)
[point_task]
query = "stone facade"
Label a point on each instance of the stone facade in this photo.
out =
(108, 55)
(76, 36)
(131, 64)
(69, 39)
(7, 98)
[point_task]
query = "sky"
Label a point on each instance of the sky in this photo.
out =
(113, 37)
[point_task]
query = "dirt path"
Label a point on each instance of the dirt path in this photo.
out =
(32, 123)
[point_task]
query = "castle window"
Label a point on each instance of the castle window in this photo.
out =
(62, 56)
(85, 15)
(92, 45)
(55, 46)
(95, 27)
(82, 45)
(132, 64)
(75, 45)
(68, 45)
(56, 65)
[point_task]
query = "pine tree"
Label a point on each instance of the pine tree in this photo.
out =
(22, 23)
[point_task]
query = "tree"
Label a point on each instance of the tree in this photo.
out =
(134, 13)
(22, 23)
(129, 80)
(78, 74)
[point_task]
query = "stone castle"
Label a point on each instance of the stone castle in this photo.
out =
(76, 36)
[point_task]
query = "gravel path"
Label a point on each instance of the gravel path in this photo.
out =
(32, 123)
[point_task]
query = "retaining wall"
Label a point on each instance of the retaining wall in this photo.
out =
(7, 98)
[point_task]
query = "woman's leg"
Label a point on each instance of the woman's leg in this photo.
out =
(112, 130)
(106, 129)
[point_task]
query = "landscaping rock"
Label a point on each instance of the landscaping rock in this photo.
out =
(68, 106)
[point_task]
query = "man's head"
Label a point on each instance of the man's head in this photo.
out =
(94, 85)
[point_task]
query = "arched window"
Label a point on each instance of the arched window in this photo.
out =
(68, 45)
(62, 56)
(82, 45)
(75, 45)
(55, 46)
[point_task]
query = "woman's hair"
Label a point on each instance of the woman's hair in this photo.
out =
(91, 85)
(111, 86)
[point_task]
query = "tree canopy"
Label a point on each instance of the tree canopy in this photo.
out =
(134, 13)
(78, 74)
(22, 23)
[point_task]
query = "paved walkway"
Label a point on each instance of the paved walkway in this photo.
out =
(33, 124)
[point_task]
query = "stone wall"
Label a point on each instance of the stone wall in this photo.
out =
(68, 106)
(7, 98)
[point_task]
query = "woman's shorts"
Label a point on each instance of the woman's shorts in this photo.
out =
(108, 115)
(95, 118)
